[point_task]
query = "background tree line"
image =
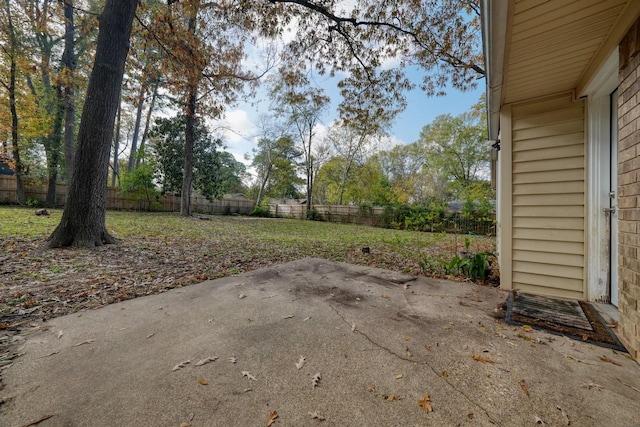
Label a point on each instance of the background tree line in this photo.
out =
(190, 57)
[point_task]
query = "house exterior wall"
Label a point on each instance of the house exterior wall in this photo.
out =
(546, 250)
(629, 191)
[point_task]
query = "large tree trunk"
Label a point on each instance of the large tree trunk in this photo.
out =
(189, 139)
(190, 135)
(69, 63)
(83, 219)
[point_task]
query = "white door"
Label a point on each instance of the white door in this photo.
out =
(613, 206)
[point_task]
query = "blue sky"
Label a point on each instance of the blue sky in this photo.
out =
(243, 119)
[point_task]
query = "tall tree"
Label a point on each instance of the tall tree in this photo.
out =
(303, 105)
(276, 156)
(455, 147)
(83, 219)
(10, 50)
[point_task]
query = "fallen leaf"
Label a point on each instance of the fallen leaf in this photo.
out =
(290, 316)
(60, 334)
(371, 388)
(409, 354)
(181, 365)
(315, 380)
(606, 359)
(565, 417)
(306, 318)
(233, 358)
(539, 420)
(524, 387)
(392, 397)
(301, 362)
(591, 385)
(83, 342)
(385, 296)
(484, 359)
(425, 403)
(207, 360)
(203, 381)
(406, 285)
(407, 337)
(399, 376)
(272, 418)
(470, 415)
(353, 327)
(249, 376)
(185, 424)
(527, 328)
(316, 416)
(150, 335)
(241, 296)
(464, 304)
(445, 374)
(427, 347)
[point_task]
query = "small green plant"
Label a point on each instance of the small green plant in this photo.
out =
(33, 203)
(261, 210)
(474, 266)
(313, 215)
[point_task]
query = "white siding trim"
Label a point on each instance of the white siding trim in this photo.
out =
(599, 128)
(505, 200)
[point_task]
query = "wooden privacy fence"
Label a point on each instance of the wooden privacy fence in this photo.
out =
(373, 216)
(376, 217)
(123, 201)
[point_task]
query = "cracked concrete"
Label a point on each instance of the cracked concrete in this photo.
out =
(380, 341)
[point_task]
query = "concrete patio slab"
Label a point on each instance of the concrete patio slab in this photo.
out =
(380, 341)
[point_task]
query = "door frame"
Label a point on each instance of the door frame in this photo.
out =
(597, 236)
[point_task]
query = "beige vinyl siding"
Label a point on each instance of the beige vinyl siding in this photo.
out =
(548, 191)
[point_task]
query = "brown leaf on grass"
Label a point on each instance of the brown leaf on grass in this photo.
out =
(273, 415)
(425, 403)
(481, 358)
(524, 387)
(606, 359)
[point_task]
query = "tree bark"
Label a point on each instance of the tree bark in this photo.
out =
(189, 135)
(189, 138)
(83, 219)
(69, 65)
(116, 148)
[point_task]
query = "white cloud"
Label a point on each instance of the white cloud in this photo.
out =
(238, 131)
